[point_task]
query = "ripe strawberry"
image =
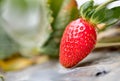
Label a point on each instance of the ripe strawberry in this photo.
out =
(78, 40)
(79, 37)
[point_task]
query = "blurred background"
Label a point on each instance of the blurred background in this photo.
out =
(30, 31)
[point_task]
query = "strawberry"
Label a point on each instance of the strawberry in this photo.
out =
(79, 37)
(77, 42)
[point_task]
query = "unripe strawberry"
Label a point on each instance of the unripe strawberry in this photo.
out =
(79, 37)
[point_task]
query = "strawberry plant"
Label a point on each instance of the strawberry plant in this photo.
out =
(63, 11)
(35, 27)
(79, 37)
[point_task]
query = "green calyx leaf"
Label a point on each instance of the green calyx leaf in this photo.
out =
(86, 9)
(111, 16)
(100, 13)
(116, 11)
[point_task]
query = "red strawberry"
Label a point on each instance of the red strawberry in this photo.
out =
(78, 40)
(79, 37)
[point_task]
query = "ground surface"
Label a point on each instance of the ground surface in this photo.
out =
(98, 66)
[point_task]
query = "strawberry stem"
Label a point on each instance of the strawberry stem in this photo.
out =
(108, 25)
(97, 14)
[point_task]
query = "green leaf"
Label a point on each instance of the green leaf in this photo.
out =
(98, 17)
(86, 8)
(66, 12)
(28, 22)
(101, 14)
(7, 46)
(55, 6)
(1, 2)
(111, 17)
(115, 12)
(112, 14)
(18, 4)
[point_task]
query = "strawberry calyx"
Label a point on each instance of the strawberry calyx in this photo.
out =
(100, 14)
